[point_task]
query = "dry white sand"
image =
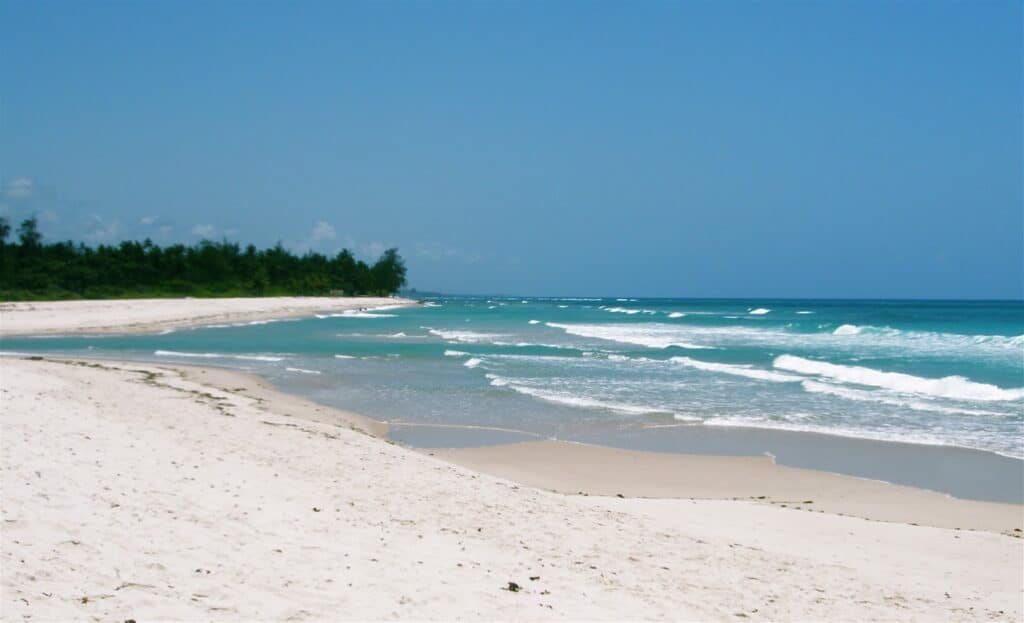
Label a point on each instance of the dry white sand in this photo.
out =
(151, 315)
(130, 491)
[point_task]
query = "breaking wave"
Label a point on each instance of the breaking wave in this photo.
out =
(174, 353)
(574, 400)
(737, 370)
(952, 387)
(651, 335)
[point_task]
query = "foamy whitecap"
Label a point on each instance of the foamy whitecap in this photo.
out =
(470, 337)
(344, 357)
(302, 371)
(497, 381)
(534, 322)
(473, 362)
(573, 400)
(953, 387)
(360, 314)
(651, 335)
(676, 315)
(455, 353)
(861, 395)
(847, 329)
(174, 353)
(760, 311)
(737, 370)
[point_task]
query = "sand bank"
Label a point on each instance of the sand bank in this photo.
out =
(134, 491)
(596, 470)
(152, 315)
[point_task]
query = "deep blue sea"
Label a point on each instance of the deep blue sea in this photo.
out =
(946, 373)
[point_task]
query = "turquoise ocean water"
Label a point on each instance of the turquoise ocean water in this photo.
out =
(939, 373)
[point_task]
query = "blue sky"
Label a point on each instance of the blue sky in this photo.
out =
(735, 149)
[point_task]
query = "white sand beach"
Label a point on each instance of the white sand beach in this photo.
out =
(152, 315)
(147, 491)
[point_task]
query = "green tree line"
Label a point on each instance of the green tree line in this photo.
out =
(31, 269)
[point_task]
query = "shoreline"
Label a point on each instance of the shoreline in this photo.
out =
(641, 470)
(148, 490)
(575, 468)
(584, 469)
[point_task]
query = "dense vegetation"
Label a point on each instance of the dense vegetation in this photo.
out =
(32, 269)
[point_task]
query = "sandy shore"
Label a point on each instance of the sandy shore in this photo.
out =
(577, 468)
(134, 491)
(151, 491)
(152, 315)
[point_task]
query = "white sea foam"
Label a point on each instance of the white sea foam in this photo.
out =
(847, 329)
(803, 311)
(455, 353)
(572, 400)
(302, 371)
(344, 357)
(496, 380)
(473, 362)
(887, 434)
(953, 387)
(174, 353)
(682, 417)
(651, 335)
(360, 314)
(875, 340)
(737, 370)
(622, 310)
(760, 311)
(676, 315)
(862, 395)
(534, 322)
(469, 337)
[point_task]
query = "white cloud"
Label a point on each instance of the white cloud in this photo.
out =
(323, 231)
(19, 188)
(147, 220)
(437, 252)
(49, 217)
(204, 230)
(98, 229)
(374, 249)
